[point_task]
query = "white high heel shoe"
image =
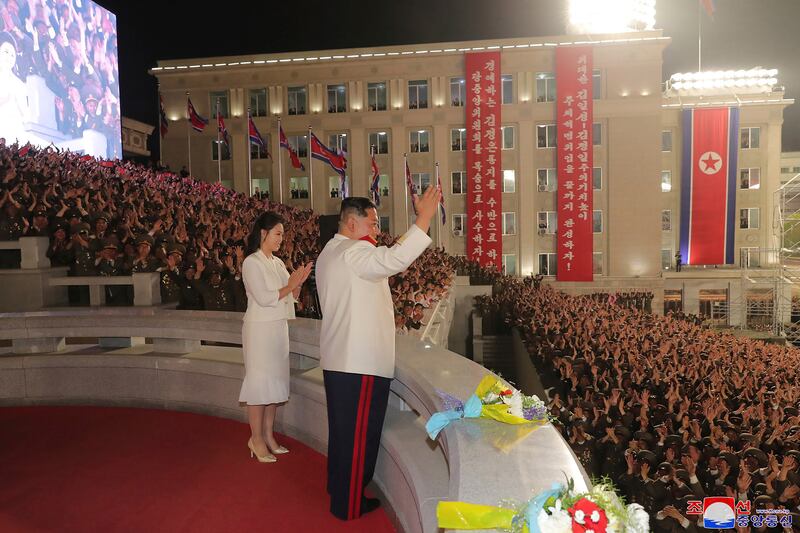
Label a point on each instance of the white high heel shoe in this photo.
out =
(269, 458)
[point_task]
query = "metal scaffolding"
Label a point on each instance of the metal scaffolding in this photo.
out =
(787, 228)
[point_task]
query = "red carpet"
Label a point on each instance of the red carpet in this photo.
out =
(87, 469)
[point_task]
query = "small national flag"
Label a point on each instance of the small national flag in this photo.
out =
(107, 164)
(164, 122)
(709, 7)
(411, 188)
(85, 158)
(255, 136)
(441, 197)
(296, 163)
(197, 122)
(24, 150)
(223, 132)
(375, 186)
(335, 159)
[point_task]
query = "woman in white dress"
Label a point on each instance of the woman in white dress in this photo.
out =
(271, 293)
(13, 94)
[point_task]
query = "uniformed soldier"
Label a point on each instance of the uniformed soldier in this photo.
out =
(109, 264)
(41, 224)
(100, 229)
(144, 260)
(357, 341)
(171, 274)
(190, 295)
(216, 293)
(83, 262)
(58, 252)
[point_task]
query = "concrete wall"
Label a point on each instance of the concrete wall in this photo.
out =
(463, 297)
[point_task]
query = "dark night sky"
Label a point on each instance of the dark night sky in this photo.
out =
(743, 34)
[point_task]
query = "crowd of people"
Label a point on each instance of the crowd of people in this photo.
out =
(118, 218)
(666, 409)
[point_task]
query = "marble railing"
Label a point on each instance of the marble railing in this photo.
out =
(477, 461)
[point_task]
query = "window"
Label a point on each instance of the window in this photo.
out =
(263, 186)
(222, 96)
(509, 223)
(751, 138)
(666, 259)
(459, 179)
(597, 178)
(421, 181)
(510, 264)
(509, 181)
(749, 218)
(299, 144)
(597, 221)
(508, 137)
(458, 92)
(507, 88)
(548, 222)
(338, 141)
(597, 84)
(337, 98)
(379, 142)
(298, 187)
(547, 179)
(597, 263)
(458, 139)
(385, 225)
(546, 136)
(297, 100)
(545, 87)
(418, 94)
(383, 183)
(666, 141)
(750, 258)
(666, 180)
(419, 141)
(795, 169)
(750, 178)
(458, 225)
(257, 152)
(597, 134)
(785, 170)
(335, 185)
(226, 150)
(258, 102)
(376, 96)
(666, 220)
(547, 264)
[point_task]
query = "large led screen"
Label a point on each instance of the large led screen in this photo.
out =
(59, 76)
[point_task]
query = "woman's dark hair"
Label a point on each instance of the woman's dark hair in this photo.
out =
(266, 221)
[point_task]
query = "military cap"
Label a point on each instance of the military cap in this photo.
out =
(144, 238)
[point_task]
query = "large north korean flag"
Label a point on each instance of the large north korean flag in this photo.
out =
(708, 185)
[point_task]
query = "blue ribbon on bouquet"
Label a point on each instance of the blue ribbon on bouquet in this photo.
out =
(438, 421)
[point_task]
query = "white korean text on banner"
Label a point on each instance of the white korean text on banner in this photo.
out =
(574, 166)
(484, 200)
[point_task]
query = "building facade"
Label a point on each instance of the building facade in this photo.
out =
(410, 100)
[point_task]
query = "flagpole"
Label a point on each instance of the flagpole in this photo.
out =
(219, 148)
(699, 38)
(189, 133)
(405, 180)
(249, 156)
(438, 212)
(310, 169)
(280, 163)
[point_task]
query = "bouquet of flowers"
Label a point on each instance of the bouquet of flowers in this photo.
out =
(494, 399)
(561, 509)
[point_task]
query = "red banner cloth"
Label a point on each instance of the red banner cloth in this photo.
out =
(574, 151)
(484, 174)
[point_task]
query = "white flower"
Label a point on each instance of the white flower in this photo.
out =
(558, 521)
(638, 519)
(490, 398)
(514, 403)
(613, 524)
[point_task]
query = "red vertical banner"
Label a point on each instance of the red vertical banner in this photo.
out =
(574, 151)
(484, 199)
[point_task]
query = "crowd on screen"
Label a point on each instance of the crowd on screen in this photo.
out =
(72, 46)
(668, 410)
(110, 219)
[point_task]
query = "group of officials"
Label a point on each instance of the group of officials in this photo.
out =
(357, 339)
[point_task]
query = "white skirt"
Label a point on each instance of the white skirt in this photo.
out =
(266, 362)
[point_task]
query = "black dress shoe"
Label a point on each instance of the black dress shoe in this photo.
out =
(369, 504)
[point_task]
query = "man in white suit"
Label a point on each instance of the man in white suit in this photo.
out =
(357, 341)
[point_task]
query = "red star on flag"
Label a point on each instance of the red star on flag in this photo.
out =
(710, 162)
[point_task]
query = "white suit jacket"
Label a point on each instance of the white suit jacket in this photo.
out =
(357, 312)
(263, 279)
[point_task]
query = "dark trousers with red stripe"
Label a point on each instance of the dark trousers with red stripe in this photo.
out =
(356, 409)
